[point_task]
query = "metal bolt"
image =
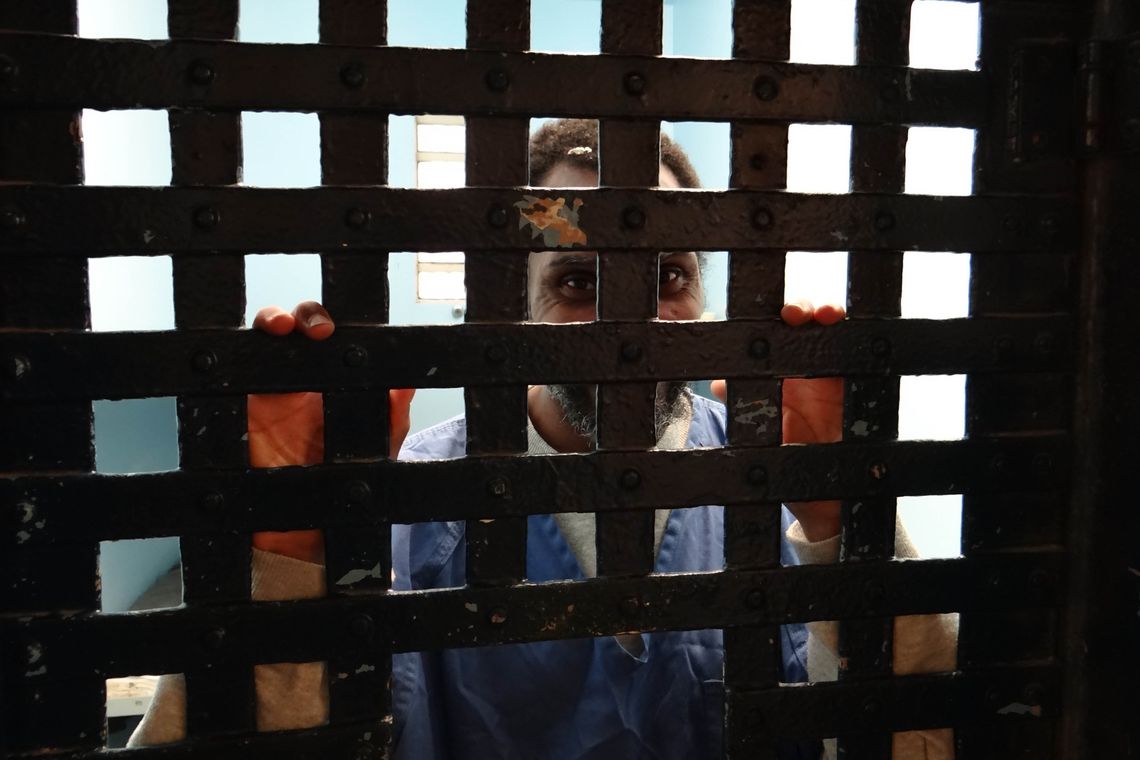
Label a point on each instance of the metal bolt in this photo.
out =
(890, 93)
(495, 354)
(874, 593)
(761, 218)
(497, 616)
(201, 73)
(206, 218)
(204, 361)
(498, 216)
(361, 627)
(12, 218)
(630, 352)
(757, 161)
(631, 605)
(633, 218)
(758, 475)
(880, 348)
(878, 471)
(357, 492)
(355, 356)
(497, 80)
(759, 349)
(8, 69)
(17, 366)
(999, 463)
(213, 502)
(1011, 223)
(754, 599)
(630, 479)
(1042, 464)
(634, 83)
(765, 88)
(1044, 343)
(1033, 694)
(357, 218)
(1003, 346)
(884, 221)
(213, 639)
(870, 707)
(352, 76)
(992, 697)
(1041, 581)
(1049, 225)
(498, 487)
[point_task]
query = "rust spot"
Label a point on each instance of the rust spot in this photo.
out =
(553, 219)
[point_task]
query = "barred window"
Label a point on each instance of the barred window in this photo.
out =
(440, 159)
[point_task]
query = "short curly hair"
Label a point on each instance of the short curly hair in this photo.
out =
(575, 141)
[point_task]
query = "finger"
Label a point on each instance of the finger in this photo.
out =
(797, 313)
(830, 314)
(274, 320)
(400, 418)
(313, 321)
(720, 389)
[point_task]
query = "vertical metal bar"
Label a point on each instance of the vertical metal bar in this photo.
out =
(496, 289)
(1015, 517)
(42, 575)
(629, 155)
(209, 291)
(354, 150)
(761, 29)
(878, 160)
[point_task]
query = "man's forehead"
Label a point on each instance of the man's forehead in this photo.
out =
(588, 258)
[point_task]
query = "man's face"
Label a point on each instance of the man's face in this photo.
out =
(562, 287)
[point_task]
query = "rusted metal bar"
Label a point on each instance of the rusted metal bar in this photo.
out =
(173, 221)
(496, 283)
(55, 72)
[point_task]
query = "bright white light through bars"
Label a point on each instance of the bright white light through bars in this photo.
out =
(130, 293)
(440, 138)
(440, 174)
(126, 148)
(932, 407)
(935, 285)
(939, 161)
(823, 31)
(934, 524)
(943, 35)
(281, 149)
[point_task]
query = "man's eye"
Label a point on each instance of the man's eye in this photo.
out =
(578, 281)
(672, 278)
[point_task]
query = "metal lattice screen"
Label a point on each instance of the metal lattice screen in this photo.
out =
(1017, 648)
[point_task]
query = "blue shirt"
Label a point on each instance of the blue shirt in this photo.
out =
(580, 698)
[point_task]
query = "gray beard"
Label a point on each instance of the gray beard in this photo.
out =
(579, 406)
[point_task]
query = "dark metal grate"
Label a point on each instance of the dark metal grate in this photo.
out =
(1044, 603)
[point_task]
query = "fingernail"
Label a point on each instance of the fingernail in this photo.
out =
(319, 319)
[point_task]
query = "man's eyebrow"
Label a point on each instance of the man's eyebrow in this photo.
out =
(571, 260)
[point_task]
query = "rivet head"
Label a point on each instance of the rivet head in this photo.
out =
(765, 88)
(206, 218)
(754, 599)
(999, 463)
(634, 83)
(498, 487)
(758, 475)
(213, 639)
(630, 352)
(1033, 694)
(361, 627)
(1011, 223)
(213, 502)
(495, 354)
(201, 73)
(357, 218)
(633, 218)
(762, 219)
(352, 76)
(874, 592)
(17, 366)
(357, 492)
(9, 70)
(1049, 225)
(1042, 463)
(870, 707)
(884, 221)
(757, 162)
(1003, 346)
(630, 479)
(497, 616)
(497, 216)
(12, 218)
(878, 471)
(759, 349)
(204, 361)
(880, 348)
(631, 605)
(355, 356)
(497, 80)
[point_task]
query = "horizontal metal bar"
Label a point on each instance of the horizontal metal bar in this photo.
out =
(172, 641)
(235, 362)
(92, 507)
(904, 703)
(141, 221)
(56, 71)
